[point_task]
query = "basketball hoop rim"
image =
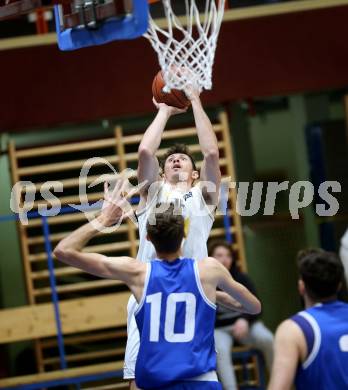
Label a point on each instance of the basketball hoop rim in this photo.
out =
(192, 47)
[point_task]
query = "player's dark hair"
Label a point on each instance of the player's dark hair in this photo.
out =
(177, 148)
(166, 228)
(321, 272)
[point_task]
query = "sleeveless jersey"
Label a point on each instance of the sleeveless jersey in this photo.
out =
(325, 327)
(198, 221)
(176, 325)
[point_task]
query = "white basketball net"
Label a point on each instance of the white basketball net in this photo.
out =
(188, 57)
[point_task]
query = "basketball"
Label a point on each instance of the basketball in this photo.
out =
(175, 97)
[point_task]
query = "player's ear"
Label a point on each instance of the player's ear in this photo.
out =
(301, 287)
(195, 175)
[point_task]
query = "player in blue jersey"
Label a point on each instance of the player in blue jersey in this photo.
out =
(311, 348)
(176, 296)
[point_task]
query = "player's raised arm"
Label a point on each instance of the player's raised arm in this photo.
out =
(148, 167)
(249, 303)
(70, 249)
(210, 170)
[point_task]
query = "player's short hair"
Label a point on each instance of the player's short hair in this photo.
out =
(177, 148)
(166, 229)
(320, 271)
(217, 243)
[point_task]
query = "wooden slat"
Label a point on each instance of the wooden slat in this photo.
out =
(20, 226)
(62, 166)
(55, 237)
(249, 383)
(88, 355)
(71, 199)
(102, 248)
(86, 338)
(255, 368)
(59, 219)
(67, 183)
(61, 374)
(58, 272)
(232, 193)
(229, 212)
(74, 287)
(66, 148)
(249, 366)
(77, 315)
(123, 165)
(25, 252)
(169, 134)
(220, 232)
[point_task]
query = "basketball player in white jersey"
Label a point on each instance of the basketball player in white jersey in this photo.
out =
(175, 181)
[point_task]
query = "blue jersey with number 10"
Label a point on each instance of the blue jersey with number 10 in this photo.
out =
(176, 325)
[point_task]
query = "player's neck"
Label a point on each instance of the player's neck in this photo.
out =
(169, 256)
(180, 185)
(309, 302)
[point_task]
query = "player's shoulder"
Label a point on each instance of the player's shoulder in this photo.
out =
(134, 265)
(209, 264)
(289, 330)
(289, 337)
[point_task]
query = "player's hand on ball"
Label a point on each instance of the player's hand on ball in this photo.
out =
(170, 110)
(192, 92)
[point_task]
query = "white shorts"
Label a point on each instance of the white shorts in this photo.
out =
(133, 340)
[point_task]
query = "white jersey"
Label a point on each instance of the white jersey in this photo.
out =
(198, 222)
